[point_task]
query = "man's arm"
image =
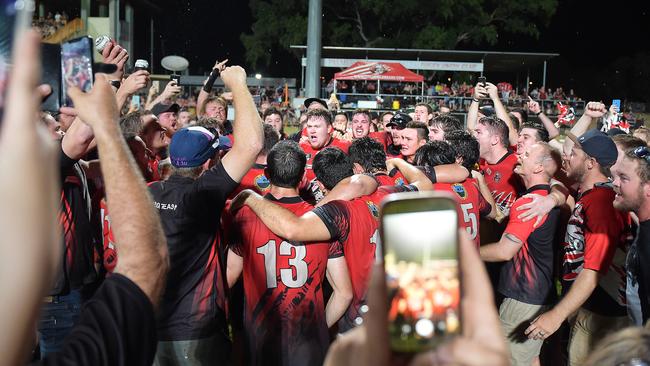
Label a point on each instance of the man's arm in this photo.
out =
(78, 139)
(501, 251)
(234, 268)
(339, 278)
(350, 188)
(207, 86)
(450, 173)
(502, 113)
(282, 222)
(550, 321)
(472, 113)
(486, 194)
(248, 131)
(593, 110)
(536, 109)
(412, 174)
(540, 206)
(130, 86)
(139, 237)
(171, 90)
(30, 246)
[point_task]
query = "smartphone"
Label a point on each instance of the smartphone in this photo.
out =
(617, 103)
(76, 66)
(482, 80)
(15, 18)
(419, 240)
(176, 78)
(51, 75)
(135, 101)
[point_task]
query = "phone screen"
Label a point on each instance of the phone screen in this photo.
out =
(76, 65)
(482, 80)
(617, 103)
(419, 239)
(15, 16)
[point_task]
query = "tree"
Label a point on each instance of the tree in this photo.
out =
(433, 24)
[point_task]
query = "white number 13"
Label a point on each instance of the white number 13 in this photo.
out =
(297, 262)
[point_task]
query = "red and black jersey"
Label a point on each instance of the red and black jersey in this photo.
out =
(284, 311)
(393, 178)
(597, 238)
(502, 181)
(311, 153)
(379, 136)
(471, 205)
(255, 180)
(528, 276)
(356, 224)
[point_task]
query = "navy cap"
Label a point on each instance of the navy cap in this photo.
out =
(399, 121)
(192, 146)
(160, 108)
(597, 145)
(309, 101)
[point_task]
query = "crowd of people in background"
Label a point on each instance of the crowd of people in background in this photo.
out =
(49, 24)
(168, 233)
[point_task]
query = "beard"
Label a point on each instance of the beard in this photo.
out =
(575, 173)
(630, 203)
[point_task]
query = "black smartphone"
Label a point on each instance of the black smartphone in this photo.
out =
(176, 78)
(419, 237)
(51, 61)
(76, 66)
(482, 80)
(15, 18)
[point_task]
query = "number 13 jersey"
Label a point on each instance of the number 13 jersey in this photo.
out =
(284, 312)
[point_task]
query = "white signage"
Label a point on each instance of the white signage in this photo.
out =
(411, 65)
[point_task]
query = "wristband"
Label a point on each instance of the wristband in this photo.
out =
(475, 100)
(538, 113)
(211, 79)
(115, 83)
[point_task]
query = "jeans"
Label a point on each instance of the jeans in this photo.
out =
(58, 317)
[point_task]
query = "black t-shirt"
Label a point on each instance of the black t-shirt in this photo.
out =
(192, 306)
(116, 327)
(528, 276)
(639, 266)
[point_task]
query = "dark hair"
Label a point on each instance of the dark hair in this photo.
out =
(211, 123)
(523, 113)
(271, 110)
(131, 124)
(421, 127)
(368, 153)
(643, 171)
(364, 112)
(466, 147)
(271, 137)
(496, 126)
(342, 113)
(285, 164)
(542, 133)
(325, 114)
(447, 123)
(381, 117)
(331, 166)
(435, 153)
(427, 106)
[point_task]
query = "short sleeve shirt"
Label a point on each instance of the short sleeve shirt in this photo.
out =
(502, 181)
(311, 153)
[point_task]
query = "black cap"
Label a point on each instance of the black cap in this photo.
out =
(309, 101)
(615, 131)
(399, 121)
(160, 108)
(597, 145)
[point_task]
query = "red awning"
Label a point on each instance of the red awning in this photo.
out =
(384, 71)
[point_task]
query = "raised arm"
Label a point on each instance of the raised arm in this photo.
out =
(281, 221)
(502, 113)
(472, 114)
(536, 109)
(29, 237)
(450, 173)
(248, 131)
(78, 139)
(487, 195)
(593, 110)
(139, 237)
(131, 85)
(207, 86)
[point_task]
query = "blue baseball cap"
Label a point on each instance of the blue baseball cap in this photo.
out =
(597, 145)
(192, 146)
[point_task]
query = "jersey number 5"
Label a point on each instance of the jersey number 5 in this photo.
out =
(297, 262)
(470, 218)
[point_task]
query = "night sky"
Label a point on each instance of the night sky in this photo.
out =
(589, 39)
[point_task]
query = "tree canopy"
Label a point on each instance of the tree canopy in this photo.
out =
(432, 24)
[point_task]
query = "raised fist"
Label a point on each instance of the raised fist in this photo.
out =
(233, 76)
(595, 109)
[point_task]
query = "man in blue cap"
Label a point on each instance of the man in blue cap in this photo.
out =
(192, 326)
(597, 236)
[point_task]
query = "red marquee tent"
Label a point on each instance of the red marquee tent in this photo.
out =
(383, 71)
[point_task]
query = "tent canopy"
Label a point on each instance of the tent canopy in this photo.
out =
(384, 71)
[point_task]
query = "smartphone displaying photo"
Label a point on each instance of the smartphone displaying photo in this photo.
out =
(76, 65)
(15, 17)
(420, 244)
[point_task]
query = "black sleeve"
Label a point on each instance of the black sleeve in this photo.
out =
(398, 189)
(65, 162)
(336, 217)
(216, 180)
(116, 327)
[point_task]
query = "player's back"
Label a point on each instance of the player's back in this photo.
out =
(254, 179)
(471, 205)
(284, 312)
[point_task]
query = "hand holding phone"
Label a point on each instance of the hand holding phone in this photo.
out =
(617, 104)
(76, 66)
(482, 80)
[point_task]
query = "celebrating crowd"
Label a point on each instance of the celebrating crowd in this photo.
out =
(147, 238)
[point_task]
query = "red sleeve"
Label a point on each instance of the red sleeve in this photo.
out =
(484, 206)
(231, 228)
(516, 227)
(602, 233)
